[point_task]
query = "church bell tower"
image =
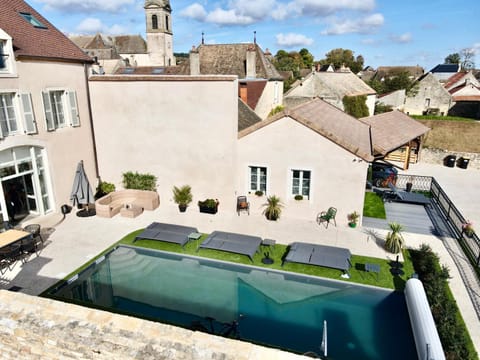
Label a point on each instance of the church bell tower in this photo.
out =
(158, 15)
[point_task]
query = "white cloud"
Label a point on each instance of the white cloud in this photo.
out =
(228, 17)
(94, 25)
(90, 26)
(402, 39)
(328, 7)
(293, 40)
(239, 12)
(194, 11)
(362, 26)
(86, 6)
(476, 48)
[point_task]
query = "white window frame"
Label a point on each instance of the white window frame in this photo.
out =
(258, 182)
(69, 109)
(300, 185)
(10, 69)
(23, 112)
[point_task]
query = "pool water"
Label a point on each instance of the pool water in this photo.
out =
(271, 308)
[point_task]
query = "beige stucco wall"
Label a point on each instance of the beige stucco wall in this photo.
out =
(272, 96)
(181, 129)
(428, 88)
(337, 176)
(66, 146)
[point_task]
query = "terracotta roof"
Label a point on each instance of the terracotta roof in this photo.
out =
(393, 129)
(454, 78)
(246, 116)
(229, 59)
(31, 41)
(466, 98)
(328, 121)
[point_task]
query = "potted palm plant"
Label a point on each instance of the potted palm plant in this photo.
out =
(353, 219)
(182, 196)
(272, 208)
(394, 241)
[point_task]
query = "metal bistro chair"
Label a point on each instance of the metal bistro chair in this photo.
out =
(34, 229)
(9, 256)
(243, 205)
(28, 246)
(327, 216)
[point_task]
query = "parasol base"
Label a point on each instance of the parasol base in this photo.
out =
(86, 213)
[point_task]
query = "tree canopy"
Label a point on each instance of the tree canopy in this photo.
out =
(466, 58)
(339, 57)
(452, 59)
(396, 81)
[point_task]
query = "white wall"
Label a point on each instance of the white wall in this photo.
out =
(181, 129)
(272, 96)
(66, 146)
(338, 177)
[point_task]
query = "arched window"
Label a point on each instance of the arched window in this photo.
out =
(166, 22)
(154, 22)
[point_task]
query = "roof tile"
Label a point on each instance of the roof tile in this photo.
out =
(30, 41)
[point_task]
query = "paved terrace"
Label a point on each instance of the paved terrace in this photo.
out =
(73, 241)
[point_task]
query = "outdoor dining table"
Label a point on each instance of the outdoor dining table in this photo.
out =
(12, 236)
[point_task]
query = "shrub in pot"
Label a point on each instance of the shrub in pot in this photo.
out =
(104, 188)
(353, 219)
(182, 196)
(209, 206)
(298, 197)
(259, 193)
(394, 241)
(138, 181)
(272, 208)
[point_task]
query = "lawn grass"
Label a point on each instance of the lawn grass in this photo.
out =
(373, 206)
(357, 271)
(443, 118)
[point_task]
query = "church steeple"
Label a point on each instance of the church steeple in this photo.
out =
(158, 15)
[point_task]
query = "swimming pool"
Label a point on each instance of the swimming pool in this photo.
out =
(272, 308)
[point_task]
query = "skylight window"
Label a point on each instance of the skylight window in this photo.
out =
(33, 20)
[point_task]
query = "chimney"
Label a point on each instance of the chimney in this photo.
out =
(251, 71)
(194, 61)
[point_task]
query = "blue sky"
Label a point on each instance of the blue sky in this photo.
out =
(384, 32)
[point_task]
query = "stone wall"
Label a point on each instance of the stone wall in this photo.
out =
(39, 328)
(436, 156)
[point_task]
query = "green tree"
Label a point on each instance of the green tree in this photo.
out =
(339, 57)
(452, 59)
(356, 105)
(307, 58)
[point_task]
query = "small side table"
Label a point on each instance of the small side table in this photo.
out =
(269, 243)
(194, 236)
(375, 268)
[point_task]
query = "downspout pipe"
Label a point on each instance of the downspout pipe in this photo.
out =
(92, 130)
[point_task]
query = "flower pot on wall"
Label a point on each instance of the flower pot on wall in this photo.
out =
(352, 224)
(182, 207)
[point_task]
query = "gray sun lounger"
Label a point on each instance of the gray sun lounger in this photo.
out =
(177, 234)
(321, 255)
(231, 242)
(408, 197)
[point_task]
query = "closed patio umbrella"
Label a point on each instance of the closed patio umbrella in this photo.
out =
(82, 193)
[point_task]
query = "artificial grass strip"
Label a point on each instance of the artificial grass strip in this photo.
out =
(357, 271)
(373, 206)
